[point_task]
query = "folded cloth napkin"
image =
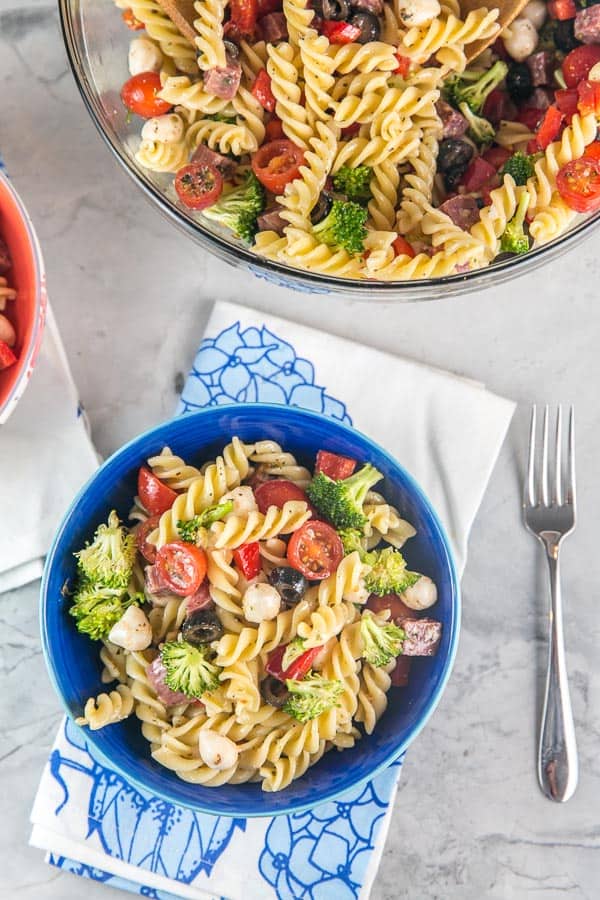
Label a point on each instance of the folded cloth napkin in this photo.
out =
(447, 431)
(46, 455)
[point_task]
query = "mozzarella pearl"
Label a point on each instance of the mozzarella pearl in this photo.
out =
(261, 602)
(417, 12)
(167, 129)
(421, 595)
(535, 11)
(7, 332)
(132, 631)
(216, 750)
(243, 500)
(520, 40)
(144, 56)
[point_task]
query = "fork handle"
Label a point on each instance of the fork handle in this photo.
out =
(557, 754)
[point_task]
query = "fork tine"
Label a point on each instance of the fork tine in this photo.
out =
(558, 494)
(529, 494)
(571, 458)
(545, 491)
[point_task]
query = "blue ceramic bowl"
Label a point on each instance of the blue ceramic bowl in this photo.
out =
(73, 660)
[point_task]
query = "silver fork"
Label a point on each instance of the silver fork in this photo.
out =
(549, 514)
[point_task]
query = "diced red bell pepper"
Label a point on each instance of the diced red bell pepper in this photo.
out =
(261, 89)
(566, 100)
(274, 131)
(550, 127)
(340, 32)
(247, 559)
(561, 9)
(403, 248)
(296, 670)
(243, 16)
(478, 172)
(497, 156)
(530, 116)
(403, 65)
(401, 671)
(130, 20)
(592, 151)
(532, 147)
(334, 465)
(7, 357)
(588, 94)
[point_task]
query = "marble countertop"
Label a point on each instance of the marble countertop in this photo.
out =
(131, 296)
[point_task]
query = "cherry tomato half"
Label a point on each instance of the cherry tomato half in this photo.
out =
(316, 550)
(147, 550)
(182, 567)
(198, 185)
(140, 95)
(277, 163)
(277, 492)
(577, 64)
(578, 183)
(155, 495)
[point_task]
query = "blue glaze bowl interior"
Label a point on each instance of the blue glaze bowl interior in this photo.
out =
(73, 660)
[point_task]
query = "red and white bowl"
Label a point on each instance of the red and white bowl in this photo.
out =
(28, 311)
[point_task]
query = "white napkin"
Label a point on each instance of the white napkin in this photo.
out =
(447, 431)
(45, 456)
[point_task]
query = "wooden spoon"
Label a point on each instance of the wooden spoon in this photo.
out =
(508, 12)
(182, 13)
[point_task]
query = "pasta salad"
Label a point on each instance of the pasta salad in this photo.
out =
(349, 137)
(8, 335)
(253, 615)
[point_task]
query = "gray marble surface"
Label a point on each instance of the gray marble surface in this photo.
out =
(132, 297)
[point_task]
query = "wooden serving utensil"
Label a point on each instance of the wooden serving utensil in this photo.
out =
(509, 10)
(182, 13)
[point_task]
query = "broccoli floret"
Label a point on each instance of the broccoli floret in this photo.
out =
(520, 166)
(382, 641)
(311, 697)
(239, 208)
(189, 531)
(341, 501)
(352, 540)
(388, 574)
(473, 88)
(109, 559)
(98, 608)
(188, 669)
(480, 129)
(514, 239)
(354, 183)
(343, 226)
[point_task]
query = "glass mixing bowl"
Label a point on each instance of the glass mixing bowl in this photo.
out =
(97, 44)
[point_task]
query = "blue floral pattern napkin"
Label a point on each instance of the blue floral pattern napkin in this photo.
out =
(93, 823)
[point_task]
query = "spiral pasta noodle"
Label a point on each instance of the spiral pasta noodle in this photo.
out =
(160, 27)
(107, 709)
(251, 642)
(209, 26)
(173, 470)
(551, 221)
(494, 218)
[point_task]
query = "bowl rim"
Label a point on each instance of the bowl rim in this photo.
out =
(448, 561)
(301, 279)
(29, 354)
